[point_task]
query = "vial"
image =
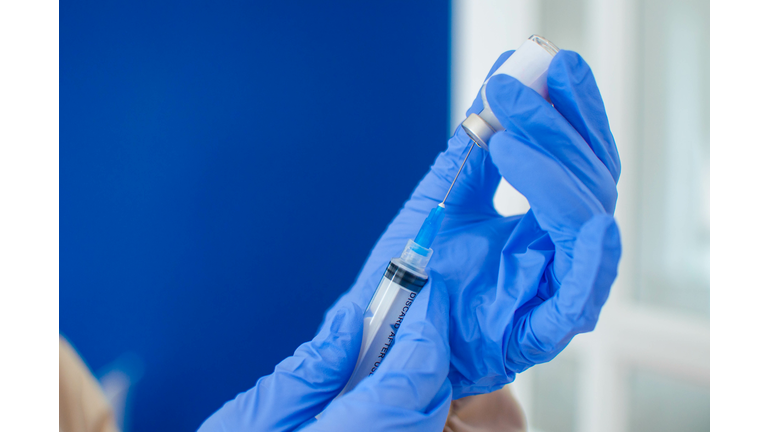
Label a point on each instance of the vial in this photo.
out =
(529, 64)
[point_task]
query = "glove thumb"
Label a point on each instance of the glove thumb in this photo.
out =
(302, 384)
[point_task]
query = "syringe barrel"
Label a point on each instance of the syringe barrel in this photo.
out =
(390, 303)
(529, 64)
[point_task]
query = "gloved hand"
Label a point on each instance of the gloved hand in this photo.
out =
(520, 287)
(409, 392)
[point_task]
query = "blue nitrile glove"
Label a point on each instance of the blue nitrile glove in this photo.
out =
(409, 392)
(520, 287)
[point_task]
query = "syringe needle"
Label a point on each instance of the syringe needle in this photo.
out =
(471, 146)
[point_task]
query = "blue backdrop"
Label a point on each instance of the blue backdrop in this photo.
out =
(224, 170)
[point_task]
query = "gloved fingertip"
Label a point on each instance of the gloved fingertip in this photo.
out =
(571, 83)
(499, 61)
(567, 64)
(517, 106)
(568, 58)
(503, 87)
(477, 104)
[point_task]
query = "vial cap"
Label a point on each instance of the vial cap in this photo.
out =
(478, 130)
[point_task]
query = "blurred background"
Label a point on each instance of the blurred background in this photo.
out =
(225, 169)
(217, 159)
(646, 365)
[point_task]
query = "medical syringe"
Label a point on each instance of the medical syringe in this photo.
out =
(402, 281)
(406, 275)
